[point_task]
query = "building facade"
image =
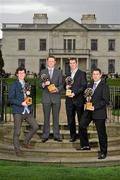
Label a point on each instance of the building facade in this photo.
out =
(94, 45)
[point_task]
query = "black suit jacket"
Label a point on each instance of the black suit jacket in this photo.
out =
(78, 87)
(100, 100)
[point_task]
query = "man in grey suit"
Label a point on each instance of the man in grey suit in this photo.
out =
(51, 98)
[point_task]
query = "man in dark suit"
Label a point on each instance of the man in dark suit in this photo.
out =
(21, 110)
(51, 98)
(97, 113)
(75, 101)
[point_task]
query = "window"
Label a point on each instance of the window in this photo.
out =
(94, 64)
(111, 45)
(21, 62)
(69, 44)
(21, 44)
(42, 44)
(111, 66)
(42, 64)
(74, 44)
(94, 44)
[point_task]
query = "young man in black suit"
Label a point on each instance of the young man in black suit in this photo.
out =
(97, 113)
(75, 101)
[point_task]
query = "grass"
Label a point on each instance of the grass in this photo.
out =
(32, 171)
(116, 112)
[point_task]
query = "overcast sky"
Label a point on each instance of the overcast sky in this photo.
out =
(18, 11)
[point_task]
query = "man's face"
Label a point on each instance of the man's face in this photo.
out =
(21, 75)
(96, 75)
(73, 65)
(51, 62)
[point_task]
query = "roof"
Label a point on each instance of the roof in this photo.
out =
(47, 27)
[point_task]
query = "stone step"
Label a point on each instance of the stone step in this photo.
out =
(113, 129)
(58, 152)
(72, 162)
(51, 144)
(65, 134)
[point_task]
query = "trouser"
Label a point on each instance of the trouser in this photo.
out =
(18, 119)
(101, 131)
(72, 110)
(55, 113)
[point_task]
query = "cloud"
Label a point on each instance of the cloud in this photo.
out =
(21, 8)
(107, 11)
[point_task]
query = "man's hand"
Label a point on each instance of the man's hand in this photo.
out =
(68, 86)
(47, 83)
(24, 103)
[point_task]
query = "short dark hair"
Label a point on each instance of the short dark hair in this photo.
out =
(97, 69)
(51, 57)
(20, 69)
(73, 59)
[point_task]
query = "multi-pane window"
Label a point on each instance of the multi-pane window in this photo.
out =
(21, 44)
(111, 66)
(111, 45)
(42, 64)
(94, 44)
(94, 64)
(21, 62)
(69, 44)
(42, 44)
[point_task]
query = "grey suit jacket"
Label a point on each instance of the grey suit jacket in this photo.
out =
(48, 97)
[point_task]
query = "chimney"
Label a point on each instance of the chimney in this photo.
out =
(39, 18)
(88, 19)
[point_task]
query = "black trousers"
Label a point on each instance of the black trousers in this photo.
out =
(101, 131)
(71, 110)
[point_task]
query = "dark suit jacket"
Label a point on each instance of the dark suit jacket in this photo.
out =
(16, 97)
(48, 97)
(100, 100)
(78, 87)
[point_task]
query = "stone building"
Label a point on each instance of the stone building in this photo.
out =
(94, 45)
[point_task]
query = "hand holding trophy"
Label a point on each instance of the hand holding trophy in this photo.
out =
(27, 91)
(45, 80)
(69, 82)
(88, 93)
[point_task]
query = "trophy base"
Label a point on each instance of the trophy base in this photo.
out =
(51, 87)
(88, 106)
(68, 92)
(28, 101)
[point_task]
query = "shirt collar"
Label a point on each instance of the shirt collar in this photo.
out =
(74, 71)
(50, 69)
(97, 82)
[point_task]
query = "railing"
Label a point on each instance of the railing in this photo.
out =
(69, 52)
(114, 107)
(5, 107)
(113, 110)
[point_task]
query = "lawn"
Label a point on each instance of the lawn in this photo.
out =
(32, 171)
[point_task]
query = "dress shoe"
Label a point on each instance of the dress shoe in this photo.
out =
(19, 153)
(44, 140)
(58, 139)
(84, 148)
(28, 146)
(72, 139)
(102, 156)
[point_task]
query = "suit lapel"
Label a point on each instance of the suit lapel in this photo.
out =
(75, 76)
(97, 88)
